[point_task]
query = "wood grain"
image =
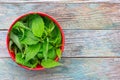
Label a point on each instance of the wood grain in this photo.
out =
(79, 43)
(72, 69)
(59, 1)
(69, 15)
(91, 30)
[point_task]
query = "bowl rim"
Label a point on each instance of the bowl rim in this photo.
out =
(11, 53)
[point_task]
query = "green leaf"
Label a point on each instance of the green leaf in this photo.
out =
(18, 32)
(46, 21)
(41, 49)
(51, 26)
(31, 51)
(58, 45)
(51, 54)
(50, 47)
(40, 40)
(49, 63)
(19, 25)
(29, 38)
(19, 29)
(23, 33)
(58, 38)
(27, 20)
(59, 53)
(45, 48)
(40, 55)
(30, 18)
(37, 26)
(34, 62)
(21, 60)
(15, 39)
(10, 44)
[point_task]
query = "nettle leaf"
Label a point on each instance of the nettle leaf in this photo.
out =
(19, 25)
(36, 40)
(29, 38)
(34, 62)
(21, 60)
(15, 39)
(37, 26)
(46, 21)
(45, 48)
(58, 38)
(52, 54)
(40, 55)
(41, 49)
(49, 63)
(32, 51)
(19, 29)
(50, 47)
(58, 45)
(59, 53)
(18, 32)
(55, 31)
(27, 20)
(23, 33)
(51, 26)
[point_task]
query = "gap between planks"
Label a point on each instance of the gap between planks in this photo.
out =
(82, 57)
(72, 69)
(60, 1)
(77, 46)
(70, 16)
(76, 29)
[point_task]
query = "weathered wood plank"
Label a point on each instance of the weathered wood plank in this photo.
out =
(72, 69)
(60, 1)
(92, 43)
(70, 16)
(78, 43)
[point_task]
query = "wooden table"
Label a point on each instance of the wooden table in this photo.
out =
(92, 32)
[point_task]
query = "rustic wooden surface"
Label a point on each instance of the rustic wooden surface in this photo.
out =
(73, 69)
(92, 39)
(59, 1)
(70, 15)
(87, 43)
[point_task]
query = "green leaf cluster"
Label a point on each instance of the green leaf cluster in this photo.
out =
(35, 40)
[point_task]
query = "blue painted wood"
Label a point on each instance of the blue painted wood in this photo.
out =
(69, 15)
(87, 43)
(73, 16)
(72, 69)
(59, 1)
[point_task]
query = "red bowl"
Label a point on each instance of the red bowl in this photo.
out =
(12, 54)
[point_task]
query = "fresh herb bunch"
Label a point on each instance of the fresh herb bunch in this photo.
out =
(35, 40)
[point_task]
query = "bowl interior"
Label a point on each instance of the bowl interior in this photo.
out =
(12, 54)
